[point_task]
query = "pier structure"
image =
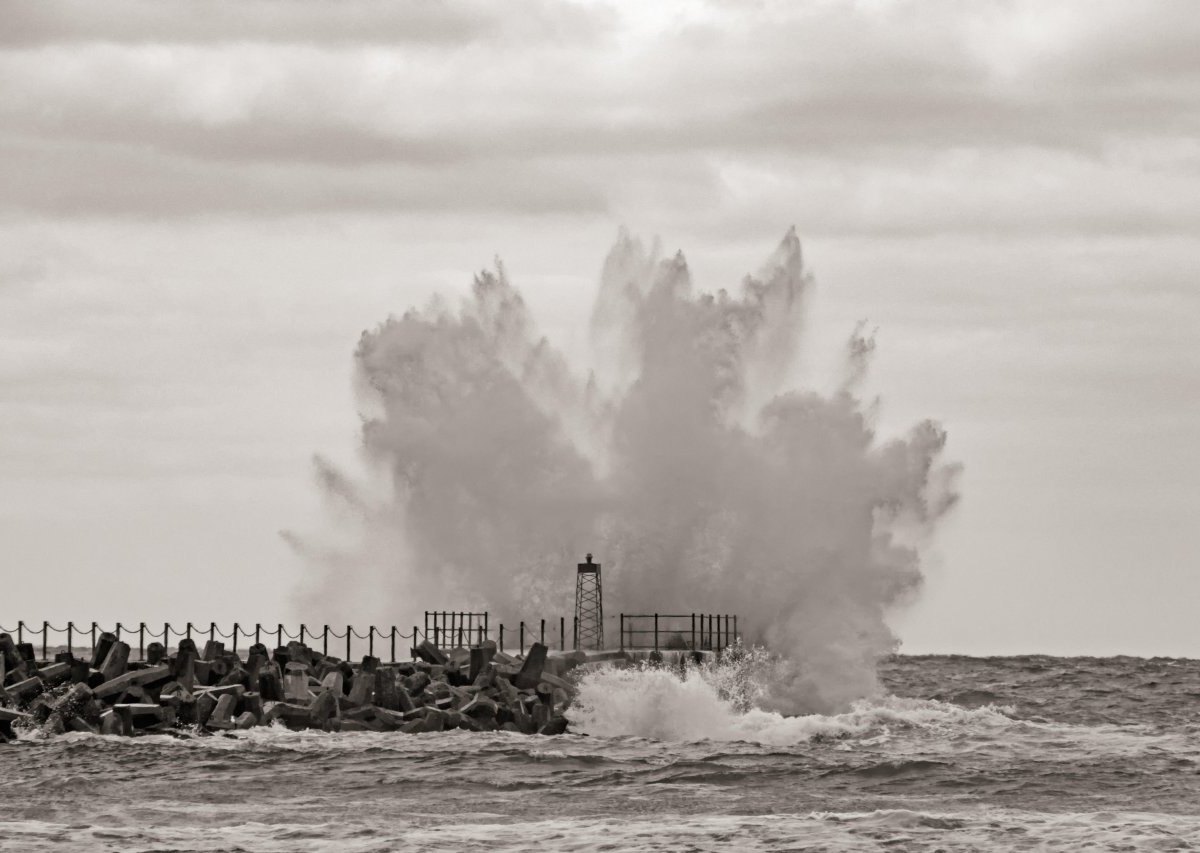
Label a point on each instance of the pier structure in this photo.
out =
(589, 607)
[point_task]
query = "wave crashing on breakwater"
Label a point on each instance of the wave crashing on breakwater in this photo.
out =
(685, 451)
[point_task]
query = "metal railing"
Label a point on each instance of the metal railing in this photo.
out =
(685, 631)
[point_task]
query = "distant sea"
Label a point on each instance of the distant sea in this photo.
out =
(1015, 753)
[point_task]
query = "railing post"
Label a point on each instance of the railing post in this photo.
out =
(117, 631)
(142, 640)
(500, 645)
(302, 633)
(656, 632)
(188, 633)
(694, 646)
(371, 641)
(347, 643)
(737, 638)
(521, 644)
(562, 632)
(20, 632)
(166, 637)
(235, 633)
(393, 644)
(279, 636)
(543, 634)
(257, 633)
(45, 635)
(93, 638)
(575, 632)
(325, 640)
(212, 631)
(621, 632)
(70, 631)
(413, 649)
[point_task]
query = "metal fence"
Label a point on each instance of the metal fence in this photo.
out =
(694, 631)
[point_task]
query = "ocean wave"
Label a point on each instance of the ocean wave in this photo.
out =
(903, 829)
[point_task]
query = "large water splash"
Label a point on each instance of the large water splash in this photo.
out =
(683, 456)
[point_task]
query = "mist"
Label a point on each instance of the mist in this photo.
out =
(686, 456)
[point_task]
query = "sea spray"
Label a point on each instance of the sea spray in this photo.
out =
(715, 702)
(685, 456)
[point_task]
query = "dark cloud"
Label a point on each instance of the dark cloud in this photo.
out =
(424, 22)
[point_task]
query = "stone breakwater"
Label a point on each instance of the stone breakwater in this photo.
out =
(213, 690)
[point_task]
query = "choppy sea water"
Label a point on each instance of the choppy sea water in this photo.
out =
(1020, 753)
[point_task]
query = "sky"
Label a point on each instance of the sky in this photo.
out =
(203, 206)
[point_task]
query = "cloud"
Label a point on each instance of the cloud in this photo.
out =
(880, 112)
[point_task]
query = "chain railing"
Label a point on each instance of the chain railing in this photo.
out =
(390, 637)
(442, 628)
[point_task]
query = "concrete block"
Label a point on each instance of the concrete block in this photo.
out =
(115, 686)
(481, 656)
(213, 650)
(531, 669)
(103, 643)
(430, 653)
(362, 691)
(270, 685)
(222, 714)
(116, 661)
(26, 690)
(324, 708)
(54, 674)
(556, 725)
(205, 705)
(252, 702)
(295, 683)
(246, 720)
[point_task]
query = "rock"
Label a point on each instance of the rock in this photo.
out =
(155, 653)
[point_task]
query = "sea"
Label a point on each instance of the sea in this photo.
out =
(954, 754)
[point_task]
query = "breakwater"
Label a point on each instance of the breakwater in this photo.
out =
(211, 689)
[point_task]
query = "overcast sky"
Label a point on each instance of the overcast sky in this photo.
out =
(203, 205)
